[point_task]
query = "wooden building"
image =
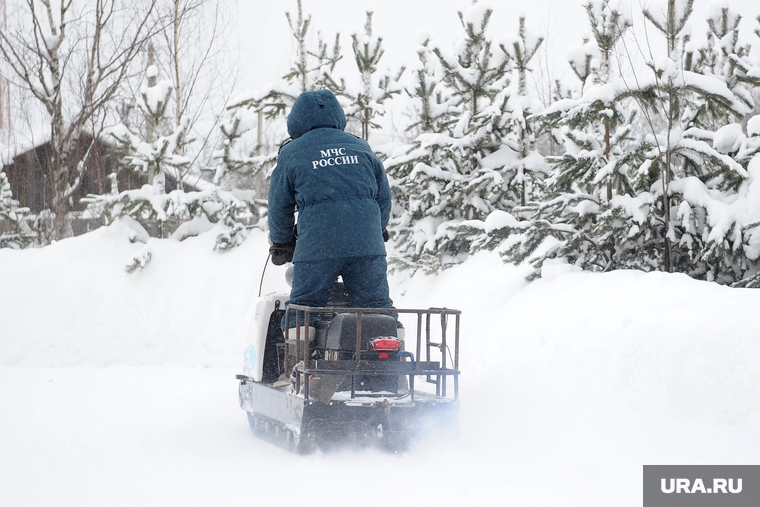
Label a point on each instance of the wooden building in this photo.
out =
(29, 175)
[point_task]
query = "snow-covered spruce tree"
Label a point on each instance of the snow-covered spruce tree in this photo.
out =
(410, 167)
(528, 169)
(676, 195)
(368, 103)
(578, 213)
(232, 166)
(311, 69)
(692, 174)
(722, 56)
(720, 229)
(18, 233)
(461, 168)
(745, 68)
(732, 232)
(524, 168)
(478, 77)
(750, 72)
(745, 208)
(150, 153)
(156, 155)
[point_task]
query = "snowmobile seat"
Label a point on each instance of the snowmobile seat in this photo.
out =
(341, 332)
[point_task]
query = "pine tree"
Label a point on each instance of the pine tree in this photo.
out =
(311, 69)
(741, 65)
(233, 166)
(619, 199)
(692, 172)
(446, 171)
(528, 170)
(722, 208)
(719, 56)
(674, 205)
(477, 76)
(368, 103)
(155, 154)
(745, 206)
(408, 171)
(18, 233)
(596, 133)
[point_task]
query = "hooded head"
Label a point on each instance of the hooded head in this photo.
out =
(316, 109)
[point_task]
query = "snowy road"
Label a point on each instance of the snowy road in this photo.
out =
(124, 437)
(165, 436)
(175, 436)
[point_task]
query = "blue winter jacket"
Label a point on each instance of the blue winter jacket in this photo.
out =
(334, 181)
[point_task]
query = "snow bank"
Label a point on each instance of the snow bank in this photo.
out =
(74, 304)
(663, 342)
(653, 343)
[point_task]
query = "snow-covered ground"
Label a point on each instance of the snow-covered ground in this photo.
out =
(118, 389)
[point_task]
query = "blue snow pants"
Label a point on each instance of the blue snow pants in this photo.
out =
(365, 280)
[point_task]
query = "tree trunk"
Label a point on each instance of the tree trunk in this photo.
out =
(607, 152)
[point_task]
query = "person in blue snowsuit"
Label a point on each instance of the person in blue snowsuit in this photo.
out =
(339, 189)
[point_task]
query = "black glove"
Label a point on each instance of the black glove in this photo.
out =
(386, 236)
(282, 252)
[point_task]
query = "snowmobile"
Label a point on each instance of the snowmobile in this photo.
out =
(348, 378)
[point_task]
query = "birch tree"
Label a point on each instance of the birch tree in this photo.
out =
(73, 57)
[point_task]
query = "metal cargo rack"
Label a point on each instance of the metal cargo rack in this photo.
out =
(433, 332)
